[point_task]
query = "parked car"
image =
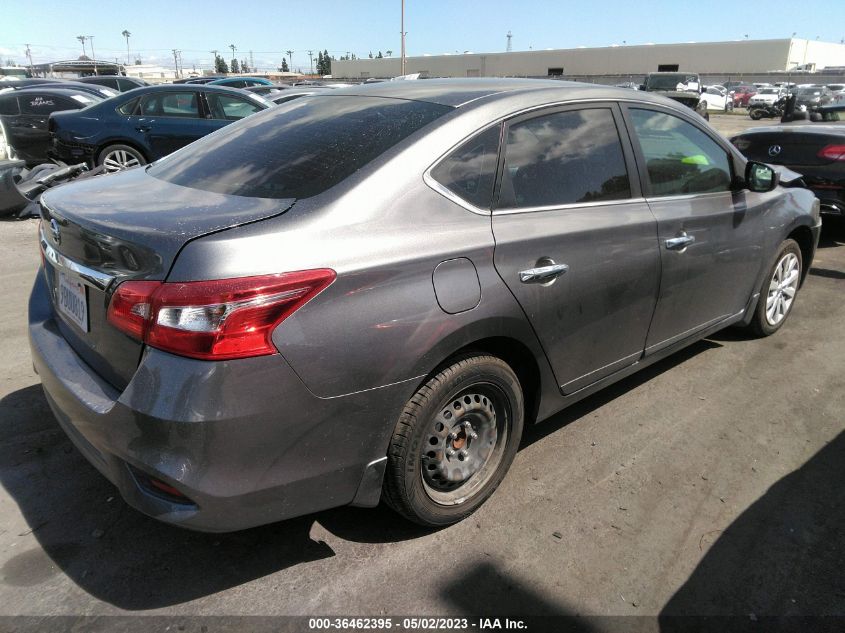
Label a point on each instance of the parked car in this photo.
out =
(145, 124)
(198, 80)
(24, 114)
(290, 94)
(240, 82)
(100, 91)
(267, 90)
(766, 96)
(813, 97)
(817, 152)
(395, 296)
(717, 99)
(742, 94)
(837, 92)
(115, 82)
(684, 88)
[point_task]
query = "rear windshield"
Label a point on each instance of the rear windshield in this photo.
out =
(296, 150)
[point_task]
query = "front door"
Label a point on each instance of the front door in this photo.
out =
(575, 242)
(710, 235)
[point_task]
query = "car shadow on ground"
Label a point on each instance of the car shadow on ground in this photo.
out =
(783, 556)
(122, 557)
(111, 551)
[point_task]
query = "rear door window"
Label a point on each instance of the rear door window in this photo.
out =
(470, 171)
(171, 104)
(299, 150)
(130, 107)
(680, 158)
(9, 105)
(563, 158)
(44, 104)
(229, 108)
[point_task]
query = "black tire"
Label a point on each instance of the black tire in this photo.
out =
(116, 148)
(756, 114)
(416, 495)
(760, 325)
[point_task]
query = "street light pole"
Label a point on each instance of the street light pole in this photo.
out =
(290, 57)
(403, 38)
(234, 48)
(311, 58)
(82, 39)
(93, 55)
(214, 65)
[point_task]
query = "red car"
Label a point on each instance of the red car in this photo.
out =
(741, 95)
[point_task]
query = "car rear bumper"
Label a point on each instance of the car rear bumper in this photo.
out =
(71, 152)
(244, 441)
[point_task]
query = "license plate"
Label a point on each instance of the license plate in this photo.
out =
(73, 301)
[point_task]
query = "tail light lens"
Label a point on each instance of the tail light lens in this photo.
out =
(832, 152)
(213, 320)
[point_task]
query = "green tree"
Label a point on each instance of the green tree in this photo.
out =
(284, 67)
(319, 62)
(327, 63)
(371, 54)
(220, 66)
(244, 66)
(235, 66)
(379, 56)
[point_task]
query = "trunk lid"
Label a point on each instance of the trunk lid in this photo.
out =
(101, 231)
(794, 146)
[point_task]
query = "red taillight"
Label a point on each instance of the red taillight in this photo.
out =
(832, 152)
(129, 308)
(214, 320)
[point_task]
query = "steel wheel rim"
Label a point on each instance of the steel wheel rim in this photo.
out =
(782, 288)
(474, 422)
(120, 159)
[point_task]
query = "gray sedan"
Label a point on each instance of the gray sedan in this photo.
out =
(369, 294)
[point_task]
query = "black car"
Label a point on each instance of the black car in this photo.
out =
(815, 151)
(266, 90)
(813, 97)
(145, 124)
(283, 96)
(24, 117)
(115, 82)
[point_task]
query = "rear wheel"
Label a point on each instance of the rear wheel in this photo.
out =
(777, 295)
(756, 114)
(119, 157)
(454, 441)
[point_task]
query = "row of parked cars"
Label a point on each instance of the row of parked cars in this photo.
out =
(124, 123)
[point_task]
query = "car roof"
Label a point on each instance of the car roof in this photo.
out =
(59, 92)
(183, 88)
(461, 92)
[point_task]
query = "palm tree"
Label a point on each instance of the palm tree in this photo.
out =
(234, 48)
(82, 39)
(290, 57)
(126, 34)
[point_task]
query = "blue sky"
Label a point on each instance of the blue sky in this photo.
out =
(360, 26)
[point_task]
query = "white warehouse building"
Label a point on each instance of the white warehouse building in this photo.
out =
(732, 58)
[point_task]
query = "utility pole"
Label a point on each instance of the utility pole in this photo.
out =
(126, 34)
(234, 48)
(175, 62)
(290, 57)
(214, 65)
(311, 57)
(510, 35)
(403, 38)
(251, 62)
(93, 55)
(82, 39)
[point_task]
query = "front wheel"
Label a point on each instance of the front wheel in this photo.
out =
(777, 294)
(756, 114)
(120, 157)
(454, 442)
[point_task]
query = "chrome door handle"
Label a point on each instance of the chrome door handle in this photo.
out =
(542, 274)
(679, 243)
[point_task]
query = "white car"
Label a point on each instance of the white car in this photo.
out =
(717, 98)
(838, 92)
(766, 96)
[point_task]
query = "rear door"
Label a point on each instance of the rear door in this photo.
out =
(575, 241)
(710, 235)
(170, 120)
(29, 134)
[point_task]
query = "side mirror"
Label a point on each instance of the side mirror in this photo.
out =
(760, 178)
